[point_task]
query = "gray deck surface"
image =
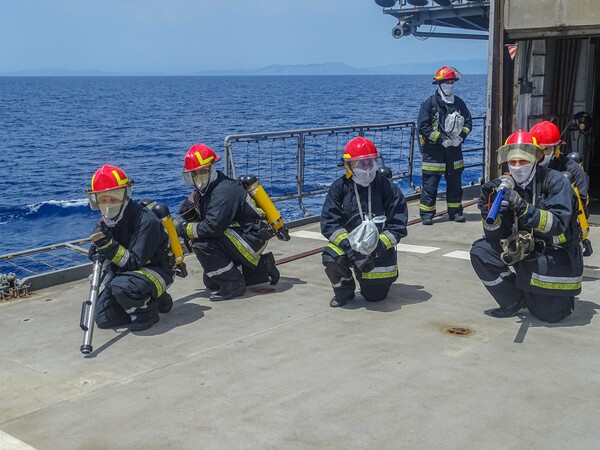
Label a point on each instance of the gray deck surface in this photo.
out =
(284, 370)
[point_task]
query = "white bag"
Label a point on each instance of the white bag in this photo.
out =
(454, 124)
(364, 238)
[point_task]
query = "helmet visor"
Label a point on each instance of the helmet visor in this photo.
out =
(198, 177)
(369, 163)
(528, 152)
(112, 198)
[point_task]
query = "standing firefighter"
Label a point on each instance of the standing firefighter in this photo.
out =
(444, 123)
(132, 239)
(364, 216)
(535, 232)
(227, 231)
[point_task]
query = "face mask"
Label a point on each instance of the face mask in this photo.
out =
(447, 89)
(112, 214)
(201, 182)
(364, 177)
(522, 174)
(547, 158)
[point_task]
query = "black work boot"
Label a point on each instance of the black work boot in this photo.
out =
(144, 318)
(459, 218)
(426, 221)
(272, 269)
(165, 303)
(337, 302)
(507, 311)
(229, 294)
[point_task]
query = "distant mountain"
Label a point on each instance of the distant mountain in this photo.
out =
(468, 66)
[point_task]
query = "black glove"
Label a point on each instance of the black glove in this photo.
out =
(354, 256)
(379, 250)
(181, 228)
(513, 201)
(365, 265)
(187, 210)
(486, 190)
(92, 251)
(101, 236)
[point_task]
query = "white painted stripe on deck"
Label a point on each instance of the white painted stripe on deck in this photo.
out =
(415, 248)
(308, 235)
(460, 254)
(7, 442)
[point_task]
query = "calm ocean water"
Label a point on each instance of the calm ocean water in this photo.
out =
(56, 131)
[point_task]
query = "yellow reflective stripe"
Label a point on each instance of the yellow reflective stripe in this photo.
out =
(118, 178)
(386, 241)
(527, 209)
(243, 247)
(433, 168)
(562, 238)
(105, 245)
(466, 130)
(155, 278)
(434, 136)
(120, 256)
(454, 205)
(459, 164)
(555, 286)
(381, 272)
(423, 207)
(190, 230)
(343, 235)
(335, 248)
(545, 222)
(203, 161)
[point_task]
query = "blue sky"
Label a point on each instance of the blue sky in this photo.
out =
(185, 36)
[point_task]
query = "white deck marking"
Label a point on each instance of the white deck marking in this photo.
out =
(415, 248)
(308, 235)
(7, 442)
(460, 254)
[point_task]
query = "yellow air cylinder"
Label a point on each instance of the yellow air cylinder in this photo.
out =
(163, 213)
(583, 223)
(262, 200)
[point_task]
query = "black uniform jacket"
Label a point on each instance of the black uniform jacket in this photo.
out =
(340, 213)
(140, 241)
(226, 203)
(580, 178)
(432, 117)
(552, 216)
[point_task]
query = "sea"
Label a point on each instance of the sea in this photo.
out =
(56, 131)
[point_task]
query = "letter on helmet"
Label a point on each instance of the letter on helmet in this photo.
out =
(546, 133)
(520, 145)
(446, 73)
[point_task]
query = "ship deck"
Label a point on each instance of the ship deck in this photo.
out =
(282, 369)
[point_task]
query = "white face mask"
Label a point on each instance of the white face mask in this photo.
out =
(202, 183)
(522, 174)
(447, 89)
(112, 214)
(547, 158)
(364, 177)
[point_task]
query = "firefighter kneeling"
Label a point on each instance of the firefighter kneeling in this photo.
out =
(531, 254)
(362, 195)
(227, 231)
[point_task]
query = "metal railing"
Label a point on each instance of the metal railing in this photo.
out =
(294, 165)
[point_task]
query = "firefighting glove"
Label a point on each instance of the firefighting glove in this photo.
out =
(187, 210)
(379, 250)
(91, 252)
(186, 230)
(486, 191)
(514, 202)
(101, 236)
(365, 265)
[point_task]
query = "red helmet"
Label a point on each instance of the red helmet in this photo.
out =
(446, 73)
(547, 134)
(359, 148)
(111, 183)
(520, 145)
(198, 156)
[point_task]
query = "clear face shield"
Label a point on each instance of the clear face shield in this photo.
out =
(110, 203)
(200, 178)
(364, 170)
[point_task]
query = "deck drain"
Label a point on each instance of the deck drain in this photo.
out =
(457, 331)
(263, 290)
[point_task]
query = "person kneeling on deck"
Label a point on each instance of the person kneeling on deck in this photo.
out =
(362, 241)
(225, 228)
(133, 240)
(531, 253)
